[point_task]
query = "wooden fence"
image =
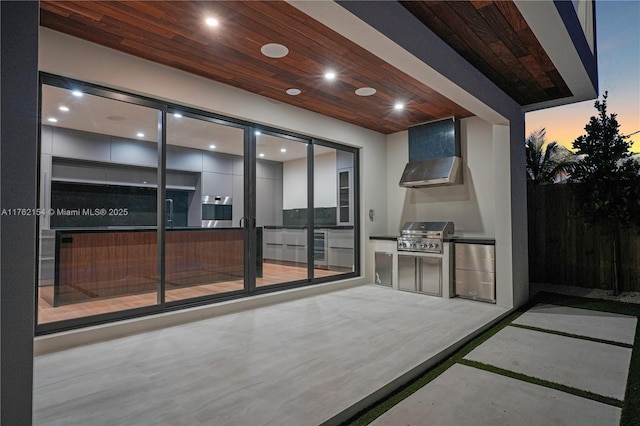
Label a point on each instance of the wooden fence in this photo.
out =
(564, 251)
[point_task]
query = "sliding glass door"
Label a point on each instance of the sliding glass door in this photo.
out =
(147, 206)
(98, 240)
(204, 243)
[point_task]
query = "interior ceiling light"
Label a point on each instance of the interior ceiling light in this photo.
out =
(212, 146)
(63, 108)
(365, 91)
(274, 50)
(283, 150)
(212, 22)
(293, 91)
(140, 135)
(77, 93)
(52, 120)
(177, 115)
(398, 106)
(330, 75)
(261, 154)
(257, 132)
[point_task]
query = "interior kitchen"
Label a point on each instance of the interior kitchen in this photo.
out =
(99, 186)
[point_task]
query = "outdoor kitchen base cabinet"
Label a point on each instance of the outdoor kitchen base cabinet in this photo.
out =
(420, 274)
(475, 276)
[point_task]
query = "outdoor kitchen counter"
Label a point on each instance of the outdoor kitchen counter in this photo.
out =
(384, 237)
(470, 240)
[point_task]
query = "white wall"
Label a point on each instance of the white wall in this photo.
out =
(325, 188)
(470, 206)
(294, 184)
(71, 57)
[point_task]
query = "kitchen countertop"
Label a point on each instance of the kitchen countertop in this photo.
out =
(384, 237)
(305, 227)
(451, 239)
(139, 229)
(470, 240)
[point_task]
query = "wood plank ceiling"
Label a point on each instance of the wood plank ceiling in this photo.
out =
(173, 33)
(494, 37)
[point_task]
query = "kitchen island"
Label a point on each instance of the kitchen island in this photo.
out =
(98, 263)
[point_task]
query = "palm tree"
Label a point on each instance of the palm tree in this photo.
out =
(546, 165)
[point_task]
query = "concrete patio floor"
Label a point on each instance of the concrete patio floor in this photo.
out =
(309, 361)
(465, 395)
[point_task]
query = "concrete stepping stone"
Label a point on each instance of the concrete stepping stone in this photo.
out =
(591, 366)
(465, 395)
(581, 322)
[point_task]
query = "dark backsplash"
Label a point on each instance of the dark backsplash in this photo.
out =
(298, 217)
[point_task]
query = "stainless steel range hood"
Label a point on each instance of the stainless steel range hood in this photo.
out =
(434, 172)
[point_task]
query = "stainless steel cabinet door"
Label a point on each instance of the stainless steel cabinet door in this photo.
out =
(431, 274)
(475, 285)
(407, 273)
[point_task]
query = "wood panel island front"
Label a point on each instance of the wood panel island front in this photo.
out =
(99, 263)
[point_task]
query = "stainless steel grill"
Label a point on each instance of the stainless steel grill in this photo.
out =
(424, 237)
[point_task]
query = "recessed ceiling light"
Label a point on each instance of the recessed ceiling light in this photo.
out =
(330, 75)
(52, 120)
(212, 22)
(283, 150)
(274, 50)
(293, 91)
(77, 93)
(365, 91)
(63, 108)
(177, 115)
(261, 154)
(140, 135)
(398, 106)
(212, 146)
(257, 132)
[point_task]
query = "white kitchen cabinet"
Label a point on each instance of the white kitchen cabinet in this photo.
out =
(340, 248)
(286, 245)
(345, 196)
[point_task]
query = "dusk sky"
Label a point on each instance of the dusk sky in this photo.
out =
(618, 44)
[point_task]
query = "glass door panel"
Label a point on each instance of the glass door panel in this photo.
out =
(204, 247)
(333, 207)
(98, 250)
(282, 208)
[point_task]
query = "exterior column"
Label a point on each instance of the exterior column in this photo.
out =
(18, 159)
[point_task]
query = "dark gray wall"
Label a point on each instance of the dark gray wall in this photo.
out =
(18, 142)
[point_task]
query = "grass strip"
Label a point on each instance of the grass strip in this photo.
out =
(575, 336)
(541, 382)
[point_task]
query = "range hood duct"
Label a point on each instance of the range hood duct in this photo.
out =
(434, 154)
(434, 172)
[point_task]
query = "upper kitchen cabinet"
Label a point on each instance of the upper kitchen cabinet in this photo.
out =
(345, 192)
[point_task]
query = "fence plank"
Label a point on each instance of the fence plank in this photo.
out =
(563, 250)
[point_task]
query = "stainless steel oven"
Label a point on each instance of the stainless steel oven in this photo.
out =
(217, 211)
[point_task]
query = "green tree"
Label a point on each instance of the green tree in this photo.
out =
(544, 164)
(608, 180)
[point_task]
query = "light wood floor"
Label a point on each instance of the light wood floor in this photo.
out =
(272, 274)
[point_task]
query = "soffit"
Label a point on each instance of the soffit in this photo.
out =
(495, 38)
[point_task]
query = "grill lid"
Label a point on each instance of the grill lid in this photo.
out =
(422, 228)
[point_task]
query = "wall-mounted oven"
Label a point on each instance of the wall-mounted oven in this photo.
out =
(217, 211)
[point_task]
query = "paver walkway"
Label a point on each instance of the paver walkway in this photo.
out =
(581, 350)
